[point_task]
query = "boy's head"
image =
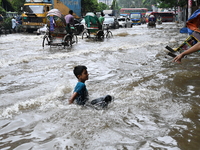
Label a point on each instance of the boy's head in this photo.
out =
(71, 12)
(78, 70)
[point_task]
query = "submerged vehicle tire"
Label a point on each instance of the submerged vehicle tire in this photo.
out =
(151, 24)
(85, 35)
(75, 39)
(31, 30)
(109, 34)
(100, 35)
(67, 41)
(46, 41)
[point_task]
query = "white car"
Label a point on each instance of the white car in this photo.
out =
(42, 29)
(83, 23)
(125, 22)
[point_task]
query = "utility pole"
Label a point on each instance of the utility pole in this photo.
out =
(179, 14)
(189, 8)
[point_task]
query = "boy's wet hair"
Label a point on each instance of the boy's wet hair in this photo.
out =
(78, 70)
(71, 12)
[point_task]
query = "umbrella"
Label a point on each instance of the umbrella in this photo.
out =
(193, 23)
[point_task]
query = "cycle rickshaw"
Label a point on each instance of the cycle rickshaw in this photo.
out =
(95, 30)
(56, 34)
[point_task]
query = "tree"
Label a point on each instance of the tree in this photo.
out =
(137, 3)
(89, 6)
(114, 5)
(2, 11)
(5, 6)
(148, 3)
(128, 3)
(17, 4)
(103, 6)
(172, 3)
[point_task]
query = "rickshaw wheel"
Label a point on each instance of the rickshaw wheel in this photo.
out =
(100, 35)
(67, 41)
(85, 35)
(75, 39)
(46, 41)
(109, 34)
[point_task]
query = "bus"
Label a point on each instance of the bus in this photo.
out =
(136, 18)
(166, 16)
(133, 10)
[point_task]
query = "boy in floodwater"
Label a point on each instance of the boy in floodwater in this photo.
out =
(80, 94)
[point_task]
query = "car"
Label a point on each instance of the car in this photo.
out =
(111, 22)
(43, 29)
(124, 22)
(83, 23)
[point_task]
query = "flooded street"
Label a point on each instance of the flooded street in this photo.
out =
(156, 102)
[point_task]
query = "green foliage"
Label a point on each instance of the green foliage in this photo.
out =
(128, 3)
(137, 3)
(114, 5)
(103, 6)
(14, 5)
(148, 3)
(89, 6)
(7, 24)
(6, 5)
(17, 4)
(171, 3)
(167, 4)
(2, 11)
(182, 3)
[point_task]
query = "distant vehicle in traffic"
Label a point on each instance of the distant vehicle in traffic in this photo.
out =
(128, 11)
(124, 22)
(111, 22)
(165, 16)
(111, 12)
(136, 18)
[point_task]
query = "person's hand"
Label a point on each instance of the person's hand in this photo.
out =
(178, 58)
(70, 101)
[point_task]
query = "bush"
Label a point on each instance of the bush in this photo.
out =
(2, 11)
(7, 24)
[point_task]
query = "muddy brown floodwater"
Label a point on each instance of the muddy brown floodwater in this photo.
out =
(156, 102)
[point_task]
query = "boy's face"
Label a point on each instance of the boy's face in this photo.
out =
(84, 76)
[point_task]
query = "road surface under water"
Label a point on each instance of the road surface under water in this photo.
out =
(156, 102)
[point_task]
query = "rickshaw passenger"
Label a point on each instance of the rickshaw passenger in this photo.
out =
(92, 20)
(97, 21)
(69, 21)
(101, 19)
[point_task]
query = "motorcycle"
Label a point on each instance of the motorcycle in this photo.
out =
(159, 21)
(151, 24)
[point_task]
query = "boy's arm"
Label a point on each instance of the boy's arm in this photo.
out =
(193, 49)
(71, 100)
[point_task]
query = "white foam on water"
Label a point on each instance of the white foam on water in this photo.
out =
(50, 100)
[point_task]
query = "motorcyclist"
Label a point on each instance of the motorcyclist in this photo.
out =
(159, 20)
(151, 20)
